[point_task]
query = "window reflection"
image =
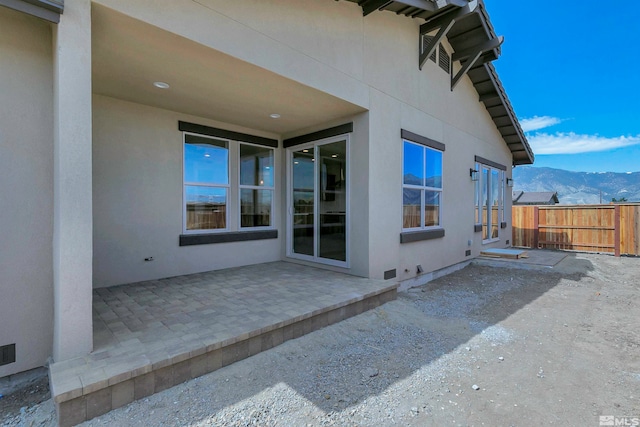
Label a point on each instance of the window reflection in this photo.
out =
(422, 189)
(256, 165)
(206, 176)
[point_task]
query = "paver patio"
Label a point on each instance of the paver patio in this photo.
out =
(151, 335)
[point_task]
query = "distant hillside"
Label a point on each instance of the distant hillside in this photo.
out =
(578, 187)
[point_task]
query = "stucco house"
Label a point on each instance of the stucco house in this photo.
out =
(144, 140)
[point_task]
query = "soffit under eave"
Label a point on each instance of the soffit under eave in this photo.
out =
(491, 73)
(484, 77)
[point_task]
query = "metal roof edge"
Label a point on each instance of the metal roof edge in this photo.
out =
(49, 10)
(500, 88)
(491, 70)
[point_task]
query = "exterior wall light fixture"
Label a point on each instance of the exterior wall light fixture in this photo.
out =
(509, 182)
(473, 174)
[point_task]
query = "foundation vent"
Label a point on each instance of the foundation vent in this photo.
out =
(390, 274)
(7, 354)
(467, 252)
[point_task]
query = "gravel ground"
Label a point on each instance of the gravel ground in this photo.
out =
(482, 346)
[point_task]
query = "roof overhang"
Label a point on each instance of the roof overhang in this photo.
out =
(129, 55)
(466, 25)
(49, 10)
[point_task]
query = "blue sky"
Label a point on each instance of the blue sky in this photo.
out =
(572, 73)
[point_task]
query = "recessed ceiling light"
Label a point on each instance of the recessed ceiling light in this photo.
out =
(334, 155)
(305, 151)
(274, 116)
(161, 85)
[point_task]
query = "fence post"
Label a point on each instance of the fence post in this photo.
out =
(536, 230)
(616, 231)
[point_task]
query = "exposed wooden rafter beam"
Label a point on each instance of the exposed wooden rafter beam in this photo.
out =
(429, 48)
(442, 20)
(471, 56)
(403, 10)
(482, 48)
(444, 23)
(490, 96)
(371, 6)
(420, 4)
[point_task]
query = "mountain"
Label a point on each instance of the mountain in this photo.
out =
(578, 187)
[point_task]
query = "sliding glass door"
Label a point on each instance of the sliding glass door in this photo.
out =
(318, 202)
(491, 182)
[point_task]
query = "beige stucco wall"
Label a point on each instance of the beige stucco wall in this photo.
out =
(26, 190)
(368, 61)
(402, 97)
(137, 198)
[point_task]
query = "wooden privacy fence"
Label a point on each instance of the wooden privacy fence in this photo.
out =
(586, 228)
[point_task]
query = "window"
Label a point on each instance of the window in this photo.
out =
(208, 187)
(489, 199)
(422, 187)
(206, 183)
(256, 186)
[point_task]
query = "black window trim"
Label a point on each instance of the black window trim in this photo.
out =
(321, 134)
(422, 140)
(491, 163)
(227, 134)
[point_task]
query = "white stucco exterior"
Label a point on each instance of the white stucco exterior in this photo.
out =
(105, 190)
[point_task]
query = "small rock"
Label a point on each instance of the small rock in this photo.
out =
(475, 387)
(370, 372)
(468, 348)
(414, 409)
(501, 358)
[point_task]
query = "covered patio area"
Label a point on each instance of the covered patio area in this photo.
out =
(149, 336)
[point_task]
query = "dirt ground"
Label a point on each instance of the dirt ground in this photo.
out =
(482, 346)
